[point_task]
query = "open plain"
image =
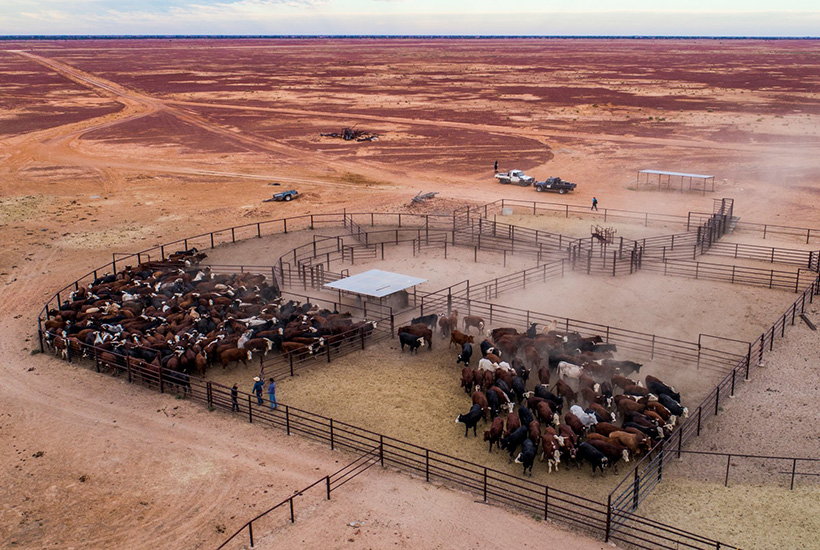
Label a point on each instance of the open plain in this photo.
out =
(110, 146)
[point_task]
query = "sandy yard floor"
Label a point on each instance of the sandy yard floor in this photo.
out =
(114, 146)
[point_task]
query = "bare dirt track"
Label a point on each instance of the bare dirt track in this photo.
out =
(112, 146)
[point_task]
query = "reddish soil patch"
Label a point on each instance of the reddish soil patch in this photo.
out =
(95, 462)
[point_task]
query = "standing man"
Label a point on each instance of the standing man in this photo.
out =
(235, 398)
(257, 389)
(272, 394)
(594, 204)
(495, 167)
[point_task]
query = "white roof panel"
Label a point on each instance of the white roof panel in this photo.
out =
(376, 283)
(681, 174)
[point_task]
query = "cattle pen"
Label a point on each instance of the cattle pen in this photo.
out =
(553, 256)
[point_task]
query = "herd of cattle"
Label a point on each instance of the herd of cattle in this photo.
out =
(185, 318)
(175, 315)
(584, 372)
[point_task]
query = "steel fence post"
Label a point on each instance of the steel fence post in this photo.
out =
(250, 532)
(292, 518)
(608, 516)
(794, 468)
(547, 502)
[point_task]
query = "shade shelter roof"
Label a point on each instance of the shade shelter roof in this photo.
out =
(376, 283)
(679, 174)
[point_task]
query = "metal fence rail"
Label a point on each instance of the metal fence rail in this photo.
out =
(803, 258)
(751, 276)
(648, 471)
(791, 464)
(330, 483)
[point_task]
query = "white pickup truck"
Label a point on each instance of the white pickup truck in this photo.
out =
(515, 176)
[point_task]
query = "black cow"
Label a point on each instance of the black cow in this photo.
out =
(527, 456)
(542, 392)
(532, 332)
(659, 388)
(493, 403)
(592, 455)
(519, 387)
(624, 367)
(673, 406)
(488, 347)
(525, 415)
(413, 342)
(471, 419)
(466, 353)
(512, 441)
(429, 320)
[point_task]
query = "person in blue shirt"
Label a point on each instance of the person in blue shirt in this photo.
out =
(257, 389)
(272, 394)
(594, 204)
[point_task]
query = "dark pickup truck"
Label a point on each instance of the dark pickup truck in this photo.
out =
(554, 184)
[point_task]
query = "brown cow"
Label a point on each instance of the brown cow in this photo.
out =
(550, 450)
(586, 381)
(606, 428)
(575, 424)
(493, 435)
(544, 411)
(634, 442)
(601, 412)
(624, 404)
(612, 450)
(659, 409)
(474, 321)
(634, 389)
(467, 379)
(235, 354)
(481, 400)
(513, 423)
(459, 339)
(448, 323)
(533, 358)
(564, 390)
(622, 381)
(534, 432)
(544, 375)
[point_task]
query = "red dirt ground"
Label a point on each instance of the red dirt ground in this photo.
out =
(111, 146)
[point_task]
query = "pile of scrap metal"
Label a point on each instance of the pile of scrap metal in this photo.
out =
(420, 198)
(351, 134)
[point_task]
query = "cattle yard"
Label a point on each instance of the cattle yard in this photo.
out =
(525, 275)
